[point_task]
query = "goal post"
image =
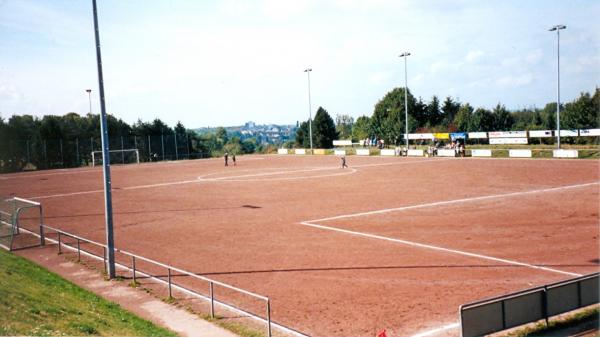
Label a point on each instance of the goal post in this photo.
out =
(12, 212)
(125, 156)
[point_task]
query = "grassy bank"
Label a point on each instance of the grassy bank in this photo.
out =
(36, 302)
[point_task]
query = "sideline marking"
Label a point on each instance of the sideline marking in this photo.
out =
(456, 201)
(442, 249)
(236, 178)
(437, 330)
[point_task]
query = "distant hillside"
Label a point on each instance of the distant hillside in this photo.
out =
(264, 134)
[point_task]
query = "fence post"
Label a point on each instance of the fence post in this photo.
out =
(45, 154)
(133, 268)
(62, 158)
(268, 317)
(122, 153)
(78, 251)
(169, 271)
(212, 300)
(187, 143)
(77, 151)
(176, 152)
(162, 145)
(59, 247)
(28, 157)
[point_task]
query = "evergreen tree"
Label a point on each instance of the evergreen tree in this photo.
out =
(324, 132)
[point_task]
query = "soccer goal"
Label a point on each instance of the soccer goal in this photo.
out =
(125, 156)
(14, 213)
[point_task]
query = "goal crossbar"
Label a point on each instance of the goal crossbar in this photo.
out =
(98, 154)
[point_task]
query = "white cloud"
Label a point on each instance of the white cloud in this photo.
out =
(380, 78)
(474, 55)
(514, 80)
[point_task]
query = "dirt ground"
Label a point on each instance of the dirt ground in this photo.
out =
(388, 243)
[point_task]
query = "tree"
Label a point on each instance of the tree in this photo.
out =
(179, 129)
(580, 114)
(361, 129)
(502, 119)
(302, 135)
(462, 120)
(549, 116)
(221, 135)
(482, 120)
(324, 132)
(449, 110)
(433, 115)
(343, 125)
(388, 121)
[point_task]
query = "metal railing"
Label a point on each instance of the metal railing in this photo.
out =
(527, 306)
(170, 269)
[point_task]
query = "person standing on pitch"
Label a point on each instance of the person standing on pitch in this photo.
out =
(226, 158)
(344, 162)
(233, 158)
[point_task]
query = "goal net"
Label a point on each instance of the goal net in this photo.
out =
(126, 156)
(15, 214)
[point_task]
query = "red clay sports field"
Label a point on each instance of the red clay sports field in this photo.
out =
(388, 243)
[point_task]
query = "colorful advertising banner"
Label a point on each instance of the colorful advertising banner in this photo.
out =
(441, 135)
(540, 133)
(507, 134)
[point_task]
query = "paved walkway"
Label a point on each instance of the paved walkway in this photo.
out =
(139, 302)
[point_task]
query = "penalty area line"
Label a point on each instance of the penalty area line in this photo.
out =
(451, 202)
(439, 249)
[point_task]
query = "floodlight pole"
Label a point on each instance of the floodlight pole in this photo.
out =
(307, 71)
(405, 55)
(557, 28)
(105, 157)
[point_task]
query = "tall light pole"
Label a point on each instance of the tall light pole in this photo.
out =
(557, 28)
(307, 71)
(110, 243)
(405, 55)
(89, 91)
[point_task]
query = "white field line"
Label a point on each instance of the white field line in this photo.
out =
(437, 248)
(241, 177)
(429, 160)
(66, 194)
(180, 288)
(313, 223)
(435, 331)
(456, 201)
(55, 173)
(342, 173)
(230, 178)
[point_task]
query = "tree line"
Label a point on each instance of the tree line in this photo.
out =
(28, 142)
(387, 121)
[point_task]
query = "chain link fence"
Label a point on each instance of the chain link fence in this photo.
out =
(39, 153)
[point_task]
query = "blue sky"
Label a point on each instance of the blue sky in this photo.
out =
(212, 63)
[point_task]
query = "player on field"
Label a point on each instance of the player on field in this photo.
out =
(226, 158)
(344, 162)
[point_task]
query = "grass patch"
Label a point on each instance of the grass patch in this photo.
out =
(237, 328)
(36, 302)
(579, 319)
